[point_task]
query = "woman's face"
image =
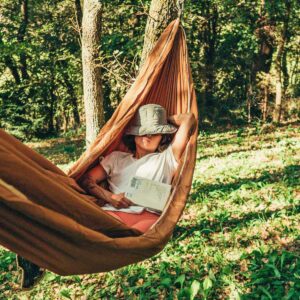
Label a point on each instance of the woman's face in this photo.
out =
(148, 142)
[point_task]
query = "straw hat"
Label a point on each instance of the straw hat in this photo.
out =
(150, 119)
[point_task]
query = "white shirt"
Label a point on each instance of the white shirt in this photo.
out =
(121, 166)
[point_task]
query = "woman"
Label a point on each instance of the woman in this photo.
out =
(146, 137)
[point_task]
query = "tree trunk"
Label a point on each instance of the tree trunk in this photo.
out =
(265, 99)
(11, 65)
(21, 35)
(277, 109)
(53, 100)
(249, 98)
(73, 102)
(78, 14)
(65, 120)
(71, 92)
(202, 104)
(13, 69)
(210, 39)
(92, 84)
(161, 13)
(263, 59)
(278, 64)
(285, 74)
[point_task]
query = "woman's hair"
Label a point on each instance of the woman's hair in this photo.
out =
(129, 142)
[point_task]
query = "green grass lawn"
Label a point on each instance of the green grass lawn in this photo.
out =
(239, 237)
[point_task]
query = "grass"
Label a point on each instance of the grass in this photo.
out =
(239, 237)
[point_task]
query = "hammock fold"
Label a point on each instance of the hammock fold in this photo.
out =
(46, 217)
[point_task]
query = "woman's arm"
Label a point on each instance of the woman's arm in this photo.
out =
(187, 123)
(89, 183)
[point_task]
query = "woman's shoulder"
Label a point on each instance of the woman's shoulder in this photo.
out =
(113, 159)
(168, 155)
(167, 150)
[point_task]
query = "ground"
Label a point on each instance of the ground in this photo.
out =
(239, 236)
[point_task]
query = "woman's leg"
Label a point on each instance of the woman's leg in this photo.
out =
(142, 221)
(114, 215)
(144, 225)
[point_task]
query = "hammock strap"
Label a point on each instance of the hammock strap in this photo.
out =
(179, 5)
(188, 110)
(188, 71)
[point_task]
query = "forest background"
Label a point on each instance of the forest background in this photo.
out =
(244, 57)
(238, 237)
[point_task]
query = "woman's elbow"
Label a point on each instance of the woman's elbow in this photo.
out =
(190, 120)
(192, 123)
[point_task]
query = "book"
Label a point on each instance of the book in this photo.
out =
(148, 193)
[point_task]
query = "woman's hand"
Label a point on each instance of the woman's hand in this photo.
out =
(120, 201)
(180, 118)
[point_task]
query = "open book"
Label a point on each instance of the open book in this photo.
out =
(148, 193)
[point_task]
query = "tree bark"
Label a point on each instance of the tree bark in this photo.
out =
(73, 100)
(53, 100)
(250, 97)
(278, 64)
(11, 65)
(13, 69)
(92, 83)
(161, 13)
(285, 74)
(210, 39)
(265, 99)
(263, 59)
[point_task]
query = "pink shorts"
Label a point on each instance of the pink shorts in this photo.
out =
(141, 221)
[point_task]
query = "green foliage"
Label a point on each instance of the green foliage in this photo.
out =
(273, 274)
(31, 107)
(224, 41)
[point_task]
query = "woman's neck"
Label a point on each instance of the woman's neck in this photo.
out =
(139, 153)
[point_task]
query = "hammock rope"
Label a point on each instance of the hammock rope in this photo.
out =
(180, 7)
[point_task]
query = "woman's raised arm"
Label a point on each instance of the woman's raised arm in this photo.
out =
(187, 123)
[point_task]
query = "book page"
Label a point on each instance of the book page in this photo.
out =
(148, 193)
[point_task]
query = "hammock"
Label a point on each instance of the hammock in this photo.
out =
(46, 217)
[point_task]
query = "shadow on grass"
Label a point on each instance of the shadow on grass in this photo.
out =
(293, 246)
(206, 226)
(290, 174)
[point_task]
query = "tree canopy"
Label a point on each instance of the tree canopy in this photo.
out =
(237, 51)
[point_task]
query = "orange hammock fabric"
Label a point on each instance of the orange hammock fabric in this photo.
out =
(46, 217)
